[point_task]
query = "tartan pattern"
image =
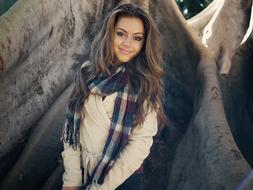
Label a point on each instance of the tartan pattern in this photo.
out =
(121, 122)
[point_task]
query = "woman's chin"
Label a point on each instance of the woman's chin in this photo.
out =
(123, 60)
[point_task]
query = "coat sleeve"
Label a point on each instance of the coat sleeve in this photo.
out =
(72, 175)
(132, 156)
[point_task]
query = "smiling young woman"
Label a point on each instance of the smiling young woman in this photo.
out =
(116, 105)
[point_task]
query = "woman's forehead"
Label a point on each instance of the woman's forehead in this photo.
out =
(130, 24)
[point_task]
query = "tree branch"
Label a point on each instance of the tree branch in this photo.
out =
(199, 21)
(225, 31)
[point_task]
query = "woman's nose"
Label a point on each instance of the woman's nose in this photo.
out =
(127, 41)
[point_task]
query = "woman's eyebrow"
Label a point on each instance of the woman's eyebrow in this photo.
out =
(127, 32)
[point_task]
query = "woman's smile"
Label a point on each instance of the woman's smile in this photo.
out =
(125, 52)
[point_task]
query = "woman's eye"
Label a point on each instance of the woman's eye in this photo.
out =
(138, 38)
(119, 33)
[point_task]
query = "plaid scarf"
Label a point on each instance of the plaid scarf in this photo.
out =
(121, 122)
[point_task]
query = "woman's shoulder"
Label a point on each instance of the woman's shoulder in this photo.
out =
(148, 106)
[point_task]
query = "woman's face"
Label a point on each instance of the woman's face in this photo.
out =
(128, 38)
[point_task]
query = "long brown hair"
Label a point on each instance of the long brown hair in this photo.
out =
(145, 69)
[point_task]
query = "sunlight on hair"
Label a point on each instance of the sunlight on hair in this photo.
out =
(249, 30)
(207, 33)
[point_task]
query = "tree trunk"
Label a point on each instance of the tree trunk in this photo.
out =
(30, 85)
(208, 97)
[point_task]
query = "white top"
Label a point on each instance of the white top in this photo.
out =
(94, 128)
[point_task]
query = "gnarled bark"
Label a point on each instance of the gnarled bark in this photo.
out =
(30, 88)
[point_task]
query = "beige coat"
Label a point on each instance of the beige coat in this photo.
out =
(93, 133)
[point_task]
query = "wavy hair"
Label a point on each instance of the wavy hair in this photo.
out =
(145, 70)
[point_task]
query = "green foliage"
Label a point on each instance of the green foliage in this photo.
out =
(189, 8)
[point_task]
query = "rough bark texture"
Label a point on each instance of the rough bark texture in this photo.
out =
(29, 88)
(208, 95)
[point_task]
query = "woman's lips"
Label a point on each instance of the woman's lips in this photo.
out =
(125, 52)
